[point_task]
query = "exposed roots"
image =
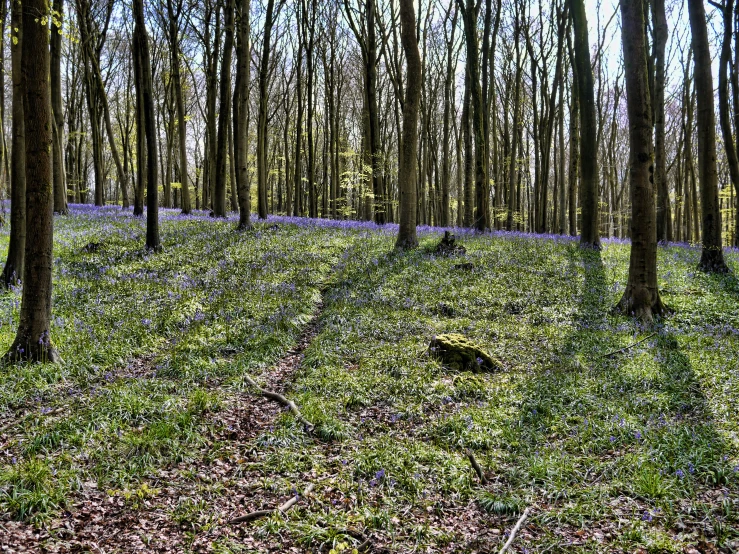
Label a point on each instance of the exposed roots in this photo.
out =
(642, 303)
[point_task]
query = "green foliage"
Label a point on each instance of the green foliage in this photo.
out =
(642, 442)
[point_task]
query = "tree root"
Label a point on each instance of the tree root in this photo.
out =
(265, 513)
(284, 401)
(515, 529)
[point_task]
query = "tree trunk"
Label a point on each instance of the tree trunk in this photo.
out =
(224, 115)
(240, 110)
(262, 122)
(712, 257)
(141, 41)
(60, 186)
(32, 340)
(174, 46)
(589, 236)
(664, 214)
(407, 169)
(14, 264)
(482, 186)
(641, 297)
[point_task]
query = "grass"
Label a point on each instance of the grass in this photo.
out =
(634, 450)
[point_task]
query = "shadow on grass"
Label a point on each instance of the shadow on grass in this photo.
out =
(632, 431)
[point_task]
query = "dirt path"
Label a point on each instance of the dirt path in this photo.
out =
(183, 508)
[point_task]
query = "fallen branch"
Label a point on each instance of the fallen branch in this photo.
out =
(282, 400)
(359, 536)
(649, 336)
(264, 513)
(515, 529)
(476, 467)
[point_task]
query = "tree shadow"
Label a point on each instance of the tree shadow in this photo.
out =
(634, 429)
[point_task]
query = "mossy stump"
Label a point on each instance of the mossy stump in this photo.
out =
(461, 354)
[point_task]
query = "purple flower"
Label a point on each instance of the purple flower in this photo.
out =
(646, 516)
(380, 475)
(680, 473)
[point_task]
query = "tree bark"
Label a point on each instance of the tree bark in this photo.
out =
(14, 264)
(224, 115)
(241, 112)
(60, 186)
(712, 257)
(33, 341)
(482, 186)
(152, 180)
(589, 236)
(723, 97)
(664, 213)
(641, 297)
(262, 121)
(407, 170)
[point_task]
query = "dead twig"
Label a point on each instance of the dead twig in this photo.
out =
(649, 336)
(282, 400)
(476, 466)
(515, 529)
(264, 513)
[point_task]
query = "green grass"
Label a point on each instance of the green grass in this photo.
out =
(634, 450)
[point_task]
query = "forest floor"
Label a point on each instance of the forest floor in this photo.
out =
(149, 438)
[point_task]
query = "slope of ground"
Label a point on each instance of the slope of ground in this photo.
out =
(149, 438)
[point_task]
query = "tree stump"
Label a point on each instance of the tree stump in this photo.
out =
(448, 246)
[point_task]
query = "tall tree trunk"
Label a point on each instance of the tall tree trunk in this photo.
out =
(641, 297)
(14, 264)
(589, 236)
(174, 46)
(224, 115)
(482, 185)
(138, 203)
(240, 110)
(262, 121)
(664, 214)
(298, 172)
(723, 98)
(60, 186)
(407, 169)
(141, 41)
(712, 257)
(469, 155)
(32, 340)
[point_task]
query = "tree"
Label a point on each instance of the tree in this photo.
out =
(219, 198)
(664, 214)
(712, 257)
(14, 264)
(641, 297)
(142, 57)
(174, 47)
(723, 100)
(589, 236)
(262, 130)
(240, 112)
(482, 185)
(407, 170)
(60, 185)
(33, 341)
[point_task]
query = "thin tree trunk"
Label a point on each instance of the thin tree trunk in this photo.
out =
(14, 264)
